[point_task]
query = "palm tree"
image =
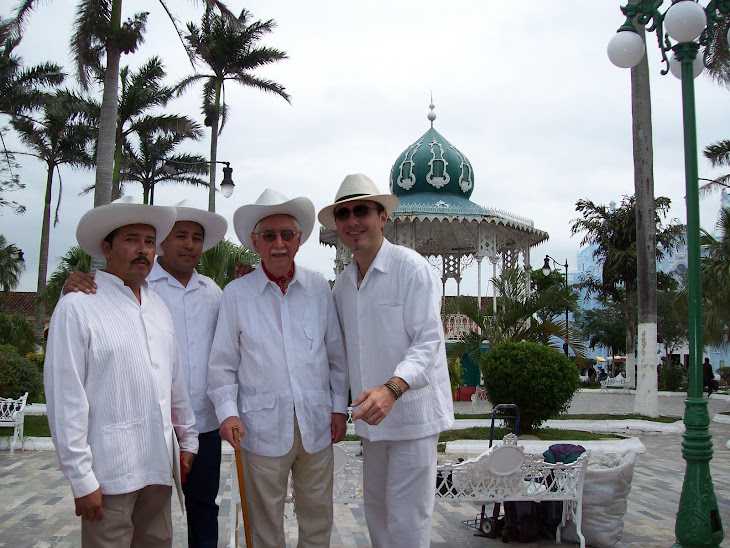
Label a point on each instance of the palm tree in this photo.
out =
(11, 265)
(219, 262)
(521, 315)
(75, 260)
(99, 33)
(142, 165)
(230, 50)
(9, 181)
(715, 268)
(61, 138)
(614, 234)
(719, 156)
(22, 89)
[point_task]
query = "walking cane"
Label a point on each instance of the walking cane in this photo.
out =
(242, 488)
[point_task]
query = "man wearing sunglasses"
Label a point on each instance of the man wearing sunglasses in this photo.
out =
(389, 303)
(278, 373)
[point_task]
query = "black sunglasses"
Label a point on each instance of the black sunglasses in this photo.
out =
(358, 211)
(287, 235)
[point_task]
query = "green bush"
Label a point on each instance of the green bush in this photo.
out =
(455, 372)
(672, 378)
(724, 373)
(19, 375)
(17, 331)
(538, 379)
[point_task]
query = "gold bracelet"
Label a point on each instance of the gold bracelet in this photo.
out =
(397, 390)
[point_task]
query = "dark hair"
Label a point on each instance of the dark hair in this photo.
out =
(379, 207)
(110, 237)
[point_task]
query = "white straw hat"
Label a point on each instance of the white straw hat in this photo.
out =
(356, 187)
(214, 225)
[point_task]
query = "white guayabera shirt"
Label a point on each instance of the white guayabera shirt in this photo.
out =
(273, 354)
(115, 389)
(194, 311)
(393, 328)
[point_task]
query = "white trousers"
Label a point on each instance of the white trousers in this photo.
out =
(399, 486)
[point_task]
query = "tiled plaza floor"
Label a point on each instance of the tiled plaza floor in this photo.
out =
(36, 508)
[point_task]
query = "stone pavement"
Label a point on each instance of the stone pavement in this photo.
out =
(36, 508)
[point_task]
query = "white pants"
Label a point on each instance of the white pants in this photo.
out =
(399, 486)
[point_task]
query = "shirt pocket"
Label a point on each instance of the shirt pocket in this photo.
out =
(260, 416)
(117, 463)
(319, 413)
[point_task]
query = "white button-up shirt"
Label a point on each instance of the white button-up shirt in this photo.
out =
(194, 310)
(115, 389)
(393, 328)
(273, 354)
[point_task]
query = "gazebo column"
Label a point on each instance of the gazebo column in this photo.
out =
(479, 281)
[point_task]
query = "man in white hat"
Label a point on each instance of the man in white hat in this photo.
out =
(278, 373)
(118, 407)
(389, 303)
(193, 301)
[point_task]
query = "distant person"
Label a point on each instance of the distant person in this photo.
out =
(707, 376)
(591, 373)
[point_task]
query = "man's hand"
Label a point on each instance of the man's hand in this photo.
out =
(339, 427)
(89, 507)
(80, 281)
(376, 404)
(186, 461)
(226, 431)
(242, 269)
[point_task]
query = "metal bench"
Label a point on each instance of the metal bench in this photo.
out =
(479, 395)
(505, 472)
(12, 415)
(619, 381)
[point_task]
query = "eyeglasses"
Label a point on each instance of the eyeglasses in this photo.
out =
(359, 211)
(287, 235)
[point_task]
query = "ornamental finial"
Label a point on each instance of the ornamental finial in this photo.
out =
(431, 115)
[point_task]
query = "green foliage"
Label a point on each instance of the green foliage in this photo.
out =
(11, 264)
(219, 262)
(455, 371)
(672, 377)
(17, 331)
(715, 268)
(74, 260)
(604, 326)
(672, 320)
(724, 373)
(18, 375)
(538, 379)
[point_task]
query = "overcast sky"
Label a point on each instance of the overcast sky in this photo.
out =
(525, 90)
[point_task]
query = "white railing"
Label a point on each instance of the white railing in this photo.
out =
(457, 325)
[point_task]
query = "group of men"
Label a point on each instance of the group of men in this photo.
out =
(150, 358)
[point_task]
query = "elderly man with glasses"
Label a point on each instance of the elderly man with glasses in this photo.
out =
(278, 373)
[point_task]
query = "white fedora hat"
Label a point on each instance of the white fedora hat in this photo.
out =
(270, 203)
(214, 225)
(97, 223)
(356, 187)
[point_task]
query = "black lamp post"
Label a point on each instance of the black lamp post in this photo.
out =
(546, 271)
(227, 185)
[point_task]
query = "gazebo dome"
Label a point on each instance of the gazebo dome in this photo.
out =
(432, 164)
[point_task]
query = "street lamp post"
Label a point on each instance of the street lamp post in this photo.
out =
(698, 519)
(546, 271)
(227, 185)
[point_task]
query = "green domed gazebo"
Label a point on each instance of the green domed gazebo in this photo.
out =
(433, 181)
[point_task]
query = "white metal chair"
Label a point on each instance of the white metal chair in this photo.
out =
(12, 415)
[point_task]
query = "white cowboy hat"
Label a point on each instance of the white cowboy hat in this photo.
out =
(97, 223)
(270, 203)
(214, 225)
(356, 187)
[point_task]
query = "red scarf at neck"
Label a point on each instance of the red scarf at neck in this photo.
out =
(281, 282)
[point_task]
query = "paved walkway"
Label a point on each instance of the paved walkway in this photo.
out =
(36, 508)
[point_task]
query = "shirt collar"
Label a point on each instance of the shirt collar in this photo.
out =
(381, 261)
(103, 276)
(159, 273)
(262, 280)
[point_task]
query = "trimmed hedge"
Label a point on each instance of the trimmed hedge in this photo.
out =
(19, 375)
(538, 379)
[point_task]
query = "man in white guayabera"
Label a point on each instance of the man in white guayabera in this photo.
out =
(118, 408)
(278, 373)
(389, 302)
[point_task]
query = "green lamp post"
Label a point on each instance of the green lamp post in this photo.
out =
(687, 29)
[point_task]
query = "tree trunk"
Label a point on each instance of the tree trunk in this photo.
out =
(214, 147)
(40, 307)
(631, 335)
(116, 173)
(646, 401)
(108, 120)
